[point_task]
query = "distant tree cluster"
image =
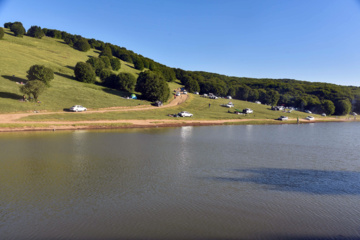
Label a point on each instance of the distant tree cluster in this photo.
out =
(35, 31)
(152, 86)
(16, 27)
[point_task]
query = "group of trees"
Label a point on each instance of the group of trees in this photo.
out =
(39, 78)
(317, 97)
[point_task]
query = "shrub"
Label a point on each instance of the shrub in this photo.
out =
(104, 74)
(18, 29)
(138, 64)
(127, 82)
(35, 32)
(84, 72)
(82, 45)
(42, 73)
(97, 64)
(115, 64)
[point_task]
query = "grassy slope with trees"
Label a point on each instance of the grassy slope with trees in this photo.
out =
(61, 52)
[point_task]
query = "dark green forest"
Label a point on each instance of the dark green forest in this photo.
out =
(317, 97)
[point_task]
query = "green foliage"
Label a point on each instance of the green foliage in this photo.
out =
(84, 72)
(35, 32)
(106, 61)
(106, 52)
(328, 107)
(1, 33)
(82, 45)
(104, 74)
(97, 64)
(152, 86)
(191, 85)
(34, 88)
(7, 25)
(18, 29)
(42, 73)
(138, 64)
(126, 81)
(343, 107)
(272, 97)
(115, 64)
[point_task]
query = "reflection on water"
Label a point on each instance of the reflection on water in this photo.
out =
(223, 182)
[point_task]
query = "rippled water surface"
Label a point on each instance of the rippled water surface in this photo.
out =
(223, 182)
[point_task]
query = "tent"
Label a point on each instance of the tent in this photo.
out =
(133, 96)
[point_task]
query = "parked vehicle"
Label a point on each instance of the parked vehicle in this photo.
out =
(247, 110)
(310, 118)
(283, 118)
(308, 111)
(185, 114)
(78, 108)
(177, 93)
(324, 114)
(184, 92)
(257, 102)
(354, 113)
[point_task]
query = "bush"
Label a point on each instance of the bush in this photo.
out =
(115, 64)
(106, 61)
(35, 32)
(42, 73)
(84, 72)
(328, 107)
(34, 88)
(18, 29)
(82, 45)
(138, 64)
(343, 107)
(1, 33)
(7, 25)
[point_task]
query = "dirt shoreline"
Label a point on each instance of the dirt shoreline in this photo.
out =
(126, 124)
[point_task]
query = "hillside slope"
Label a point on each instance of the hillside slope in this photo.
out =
(18, 54)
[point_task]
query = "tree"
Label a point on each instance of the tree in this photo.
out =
(84, 72)
(152, 86)
(127, 82)
(106, 61)
(35, 32)
(138, 64)
(106, 52)
(34, 88)
(192, 85)
(1, 33)
(42, 73)
(104, 74)
(97, 64)
(115, 64)
(272, 97)
(18, 29)
(328, 107)
(7, 25)
(343, 107)
(82, 45)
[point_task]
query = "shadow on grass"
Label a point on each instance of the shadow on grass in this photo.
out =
(14, 78)
(11, 34)
(65, 75)
(10, 95)
(61, 42)
(70, 67)
(129, 65)
(116, 92)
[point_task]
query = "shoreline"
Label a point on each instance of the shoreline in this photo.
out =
(126, 124)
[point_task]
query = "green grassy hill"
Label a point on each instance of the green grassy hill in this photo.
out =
(18, 54)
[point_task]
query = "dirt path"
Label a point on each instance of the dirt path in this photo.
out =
(14, 117)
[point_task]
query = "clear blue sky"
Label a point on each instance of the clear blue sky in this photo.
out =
(312, 40)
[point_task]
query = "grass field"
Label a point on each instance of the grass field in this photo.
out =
(18, 54)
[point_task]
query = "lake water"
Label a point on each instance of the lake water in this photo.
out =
(218, 182)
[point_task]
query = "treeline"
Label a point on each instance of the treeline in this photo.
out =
(317, 97)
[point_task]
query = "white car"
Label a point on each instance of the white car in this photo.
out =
(78, 108)
(283, 118)
(308, 111)
(248, 110)
(310, 118)
(185, 114)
